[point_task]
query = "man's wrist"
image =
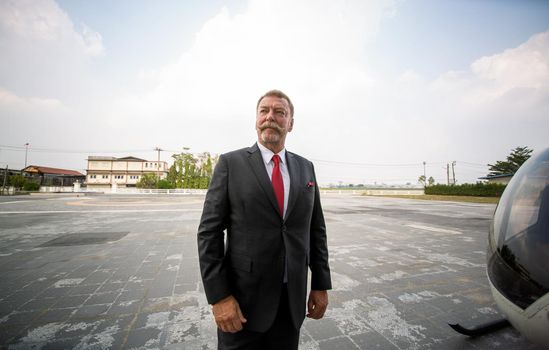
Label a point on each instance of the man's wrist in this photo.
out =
(222, 300)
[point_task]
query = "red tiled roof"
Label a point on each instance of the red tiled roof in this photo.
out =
(47, 170)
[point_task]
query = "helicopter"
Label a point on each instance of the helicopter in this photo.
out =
(518, 254)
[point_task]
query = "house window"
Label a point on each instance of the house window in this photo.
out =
(105, 176)
(92, 176)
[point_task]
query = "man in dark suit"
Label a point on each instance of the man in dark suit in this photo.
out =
(267, 200)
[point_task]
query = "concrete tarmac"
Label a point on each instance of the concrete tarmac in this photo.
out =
(121, 272)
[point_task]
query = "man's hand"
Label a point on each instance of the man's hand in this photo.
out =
(316, 306)
(227, 315)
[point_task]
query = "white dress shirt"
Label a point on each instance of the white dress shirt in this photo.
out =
(267, 155)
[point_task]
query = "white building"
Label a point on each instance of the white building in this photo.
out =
(124, 172)
(500, 179)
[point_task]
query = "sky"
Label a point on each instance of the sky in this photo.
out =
(379, 86)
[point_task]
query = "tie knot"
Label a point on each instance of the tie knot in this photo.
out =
(276, 159)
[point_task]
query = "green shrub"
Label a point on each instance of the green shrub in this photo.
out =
(147, 181)
(31, 186)
(17, 181)
(164, 184)
(478, 190)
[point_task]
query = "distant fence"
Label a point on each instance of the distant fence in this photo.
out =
(7, 191)
(56, 189)
(377, 191)
(133, 190)
(188, 191)
(394, 191)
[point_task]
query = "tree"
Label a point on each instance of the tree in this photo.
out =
(172, 176)
(147, 181)
(514, 160)
(17, 181)
(431, 181)
(192, 171)
(164, 184)
(421, 180)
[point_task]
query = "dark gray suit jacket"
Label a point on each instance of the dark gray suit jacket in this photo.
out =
(250, 264)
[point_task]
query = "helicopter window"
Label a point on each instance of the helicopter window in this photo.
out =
(503, 204)
(524, 209)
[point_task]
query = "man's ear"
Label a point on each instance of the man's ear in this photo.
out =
(291, 125)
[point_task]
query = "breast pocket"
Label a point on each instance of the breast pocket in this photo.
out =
(308, 195)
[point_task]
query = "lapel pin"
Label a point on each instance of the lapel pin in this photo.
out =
(310, 184)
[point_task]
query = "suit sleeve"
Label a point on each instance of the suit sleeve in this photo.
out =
(318, 263)
(210, 237)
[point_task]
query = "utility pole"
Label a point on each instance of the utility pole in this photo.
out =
(158, 164)
(453, 172)
(448, 174)
(5, 178)
(26, 151)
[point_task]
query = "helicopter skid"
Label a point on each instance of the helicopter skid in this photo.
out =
(480, 329)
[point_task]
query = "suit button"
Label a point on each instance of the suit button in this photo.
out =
(283, 228)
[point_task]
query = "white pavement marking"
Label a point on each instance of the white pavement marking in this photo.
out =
(434, 229)
(42, 199)
(68, 282)
(42, 334)
(98, 211)
(448, 259)
(343, 282)
(11, 202)
(386, 320)
(424, 295)
(387, 277)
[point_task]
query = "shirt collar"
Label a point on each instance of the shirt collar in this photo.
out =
(267, 154)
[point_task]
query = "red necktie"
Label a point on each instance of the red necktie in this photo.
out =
(278, 184)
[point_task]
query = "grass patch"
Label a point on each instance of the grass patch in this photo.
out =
(434, 197)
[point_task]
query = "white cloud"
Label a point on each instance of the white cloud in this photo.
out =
(42, 52)
(317, 52)
(44, 21)
(526, 66)
(93, 42)
(312, 50)
(492, 78)
(10, 100)
(44, 122)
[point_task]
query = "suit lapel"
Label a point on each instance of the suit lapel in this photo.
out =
(295, 175)
(260, 172)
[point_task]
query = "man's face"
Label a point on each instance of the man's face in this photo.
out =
(273, 120)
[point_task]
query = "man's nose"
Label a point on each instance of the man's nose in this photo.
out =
(270, 115)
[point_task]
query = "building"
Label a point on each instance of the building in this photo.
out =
(500, 179)
(46, 176)
(121, 172)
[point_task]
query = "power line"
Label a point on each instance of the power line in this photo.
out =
(473, 164)
(321, 161)
(364, 164)
(54, 150)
